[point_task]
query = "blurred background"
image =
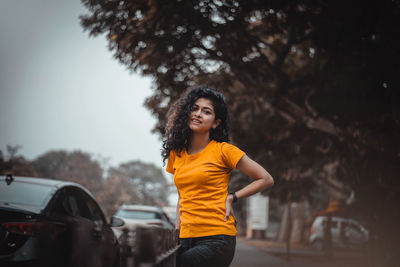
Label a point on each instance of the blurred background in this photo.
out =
(69, 110)
(313, 91)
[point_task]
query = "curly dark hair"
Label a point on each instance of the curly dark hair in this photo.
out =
(177, 131)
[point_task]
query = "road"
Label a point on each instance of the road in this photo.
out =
(251, 256)
(247, 256)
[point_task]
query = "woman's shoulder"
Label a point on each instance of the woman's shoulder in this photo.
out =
(223, 144)
(175, 153)
(218, 144)
(224, 147)
(228, 153)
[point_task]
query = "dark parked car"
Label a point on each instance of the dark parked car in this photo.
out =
(53, 223)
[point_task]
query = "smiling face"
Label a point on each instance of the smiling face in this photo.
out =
(202, 118)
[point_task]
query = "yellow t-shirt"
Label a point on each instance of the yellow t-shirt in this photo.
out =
(202, 182)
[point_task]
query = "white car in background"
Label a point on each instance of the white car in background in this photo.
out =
(141, 215)
(345, 232)
(171, 212)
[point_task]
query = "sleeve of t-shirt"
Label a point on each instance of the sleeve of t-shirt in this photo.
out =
(170, 163)
(231, 155)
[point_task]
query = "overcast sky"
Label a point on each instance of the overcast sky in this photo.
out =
(61, 89)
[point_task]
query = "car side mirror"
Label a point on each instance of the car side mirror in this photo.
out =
(116, 222)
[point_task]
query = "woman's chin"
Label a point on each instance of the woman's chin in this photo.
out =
(197, 129)
(194, 126)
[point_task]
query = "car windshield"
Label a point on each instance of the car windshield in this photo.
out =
(25, 193)
(138, 214)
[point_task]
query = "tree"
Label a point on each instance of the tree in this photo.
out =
(147, 180)
(117, 190)
(309, 83)
(73, 166)
(12, 163)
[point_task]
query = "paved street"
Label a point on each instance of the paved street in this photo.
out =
(247, 256)
(253, 256)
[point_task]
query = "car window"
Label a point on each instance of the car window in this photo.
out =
(73, 203)
(355, 227)
(94, 212)
(70, 204)
(22, 193)
(334, 223)
(138, 214)
(87, 209)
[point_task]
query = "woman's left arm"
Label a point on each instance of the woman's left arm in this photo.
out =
(262, 181)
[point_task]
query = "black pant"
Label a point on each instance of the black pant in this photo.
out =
(209, 251)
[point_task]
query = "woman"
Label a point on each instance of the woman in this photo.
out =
(201, 160)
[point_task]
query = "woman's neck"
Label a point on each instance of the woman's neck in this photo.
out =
(198, 142)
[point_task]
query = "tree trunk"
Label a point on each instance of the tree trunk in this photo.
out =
(328, 236)
(284, 228)
(298, 223)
